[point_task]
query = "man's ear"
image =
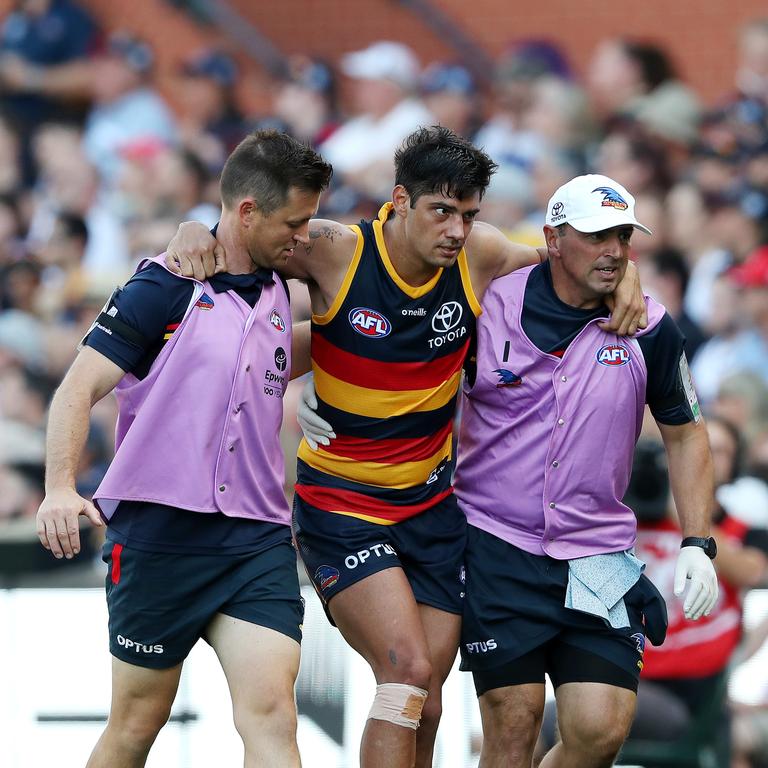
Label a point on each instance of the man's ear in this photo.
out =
(401, 200)
(552, 240)
(247, 210)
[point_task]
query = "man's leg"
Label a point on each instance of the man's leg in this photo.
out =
(442, 630)
(141, 704)
(593, 720)
(380, 619)
(261, 665)
(511, 719)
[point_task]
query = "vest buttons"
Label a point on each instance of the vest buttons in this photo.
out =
(236, 409)
(231, 448)
(555, 463)
(563, 378)
(552, 505)
(247, 368)
(560, 422)
(222, 488)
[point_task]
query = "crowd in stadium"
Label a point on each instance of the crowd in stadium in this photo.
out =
(97, 170)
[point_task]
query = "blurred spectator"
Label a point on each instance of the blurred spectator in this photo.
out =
(628, 155)
(752, 70)
(450, 94)
(742, 398)
(637, 79)
(127, 109)
(212, 124)
(306, 103)
(384, 78)
(681, 677)
(19, 282)
(44, 45)
(664, 276)
(505, 136)
(559, 113)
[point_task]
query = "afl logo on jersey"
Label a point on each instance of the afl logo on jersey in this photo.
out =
(277, 321)
(369, 322)
(613, 354)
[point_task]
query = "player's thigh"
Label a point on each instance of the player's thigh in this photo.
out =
(142, 694)
(513, 712)
(260, 663)
(592, 712)
(380, 619)
(442, 630)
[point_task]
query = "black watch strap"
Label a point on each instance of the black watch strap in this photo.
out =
(707, 544)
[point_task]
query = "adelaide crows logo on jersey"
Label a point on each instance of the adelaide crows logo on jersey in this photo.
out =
(204, 302)
(611, 198)
(613, 354)
(369, 322)
(507, 378)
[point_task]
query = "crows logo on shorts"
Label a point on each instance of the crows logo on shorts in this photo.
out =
(325, 577)
(639, 639)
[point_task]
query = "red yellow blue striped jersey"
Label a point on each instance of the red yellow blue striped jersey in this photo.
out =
(387, 359)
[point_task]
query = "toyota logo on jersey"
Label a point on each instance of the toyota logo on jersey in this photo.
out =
(369, 322)
(613, 354)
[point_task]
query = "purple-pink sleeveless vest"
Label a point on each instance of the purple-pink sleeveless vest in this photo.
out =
(201, 430)
(544, 460)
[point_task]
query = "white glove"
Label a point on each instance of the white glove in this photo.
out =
(694, 565)
(316, 430)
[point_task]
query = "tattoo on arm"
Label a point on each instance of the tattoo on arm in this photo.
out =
(329, 233)
(393, 657)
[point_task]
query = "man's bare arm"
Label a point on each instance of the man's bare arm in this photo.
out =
(690, 475)
(90, 378)
(301, 361)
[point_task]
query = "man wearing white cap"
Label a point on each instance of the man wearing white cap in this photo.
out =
(384, 78)
(553, 405)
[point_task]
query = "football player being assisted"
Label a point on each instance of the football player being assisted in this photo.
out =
(394, 302)
(198, 537)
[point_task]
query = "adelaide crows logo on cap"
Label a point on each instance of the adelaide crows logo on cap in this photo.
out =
(611, 198)
(204, 302)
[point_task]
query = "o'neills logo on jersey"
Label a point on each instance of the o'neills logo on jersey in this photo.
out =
(613, 354)
(277, 321)
(369, 322)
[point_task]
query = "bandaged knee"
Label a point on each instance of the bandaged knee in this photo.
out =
(398, 703)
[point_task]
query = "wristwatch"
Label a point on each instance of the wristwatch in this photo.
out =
(708, 545)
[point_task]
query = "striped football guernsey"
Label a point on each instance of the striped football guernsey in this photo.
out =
(387, 359)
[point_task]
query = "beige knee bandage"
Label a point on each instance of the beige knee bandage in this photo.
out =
(398, 703)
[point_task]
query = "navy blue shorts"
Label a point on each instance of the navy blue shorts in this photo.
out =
(514, 609)
(160, 604)
(339, 550)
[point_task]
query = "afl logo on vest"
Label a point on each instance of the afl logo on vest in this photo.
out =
(277, 321)
(613, 354)
(369, 322)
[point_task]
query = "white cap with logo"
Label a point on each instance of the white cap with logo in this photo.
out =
(593, 203)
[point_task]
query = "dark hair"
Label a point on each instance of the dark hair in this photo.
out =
(73, 225)
(671, 261)
(653, 62)
(436, 159)
(265, 165)
(739, 447)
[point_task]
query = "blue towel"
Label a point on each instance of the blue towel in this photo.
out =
(597, 585)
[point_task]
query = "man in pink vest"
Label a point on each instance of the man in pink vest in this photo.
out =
(553, 405)
(198, 542)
